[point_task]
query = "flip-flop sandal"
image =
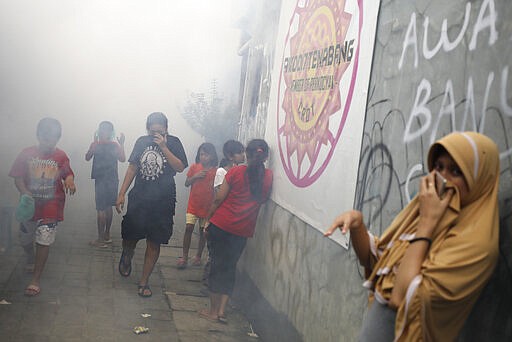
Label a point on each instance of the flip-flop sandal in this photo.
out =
(182, 263)
(98, 244)
(144, 291)
(32, 290)
(125, 269)
(196, 261)
(204, 314)
(223, 319)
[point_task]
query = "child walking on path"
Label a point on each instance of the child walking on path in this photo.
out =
(105, 153)
(43, 173)
(200, 178)
(154, 161)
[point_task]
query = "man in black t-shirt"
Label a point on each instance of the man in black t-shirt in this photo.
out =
(154, 161)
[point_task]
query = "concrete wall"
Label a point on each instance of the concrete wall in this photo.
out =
(416, 95)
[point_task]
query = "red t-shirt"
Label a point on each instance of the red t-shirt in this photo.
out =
(43, 176)
(201, 191)
(238, 212)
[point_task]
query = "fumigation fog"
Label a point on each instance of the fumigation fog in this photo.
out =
(85, 62)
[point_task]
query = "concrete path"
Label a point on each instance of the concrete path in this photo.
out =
(83, 297)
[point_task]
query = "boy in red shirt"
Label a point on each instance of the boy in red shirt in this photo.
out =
(42, 172)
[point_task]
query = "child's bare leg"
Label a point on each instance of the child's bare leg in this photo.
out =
(101, 224)
(211, 313)
(150, 259)
(202, 243)
(29, 252)
(214, 304)
(42, 253)
(108, 223)
(26, 239)
(129, 246)
(189, 228)
(223, 301)
(125, 262)
(30, 257)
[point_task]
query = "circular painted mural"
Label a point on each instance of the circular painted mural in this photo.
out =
(316, 84)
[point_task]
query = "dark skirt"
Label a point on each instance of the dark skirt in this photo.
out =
(151, 220)
(105, 193)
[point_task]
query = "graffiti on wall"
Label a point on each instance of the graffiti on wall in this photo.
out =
(299, 282)
(436, 109)
(288, 258)
(438, 67)
(422, 112)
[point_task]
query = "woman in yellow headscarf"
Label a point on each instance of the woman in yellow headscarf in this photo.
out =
(429, 267)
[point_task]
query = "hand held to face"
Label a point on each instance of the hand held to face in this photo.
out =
(440, 183)
(160, 139)
(121, 139)
(432, 207)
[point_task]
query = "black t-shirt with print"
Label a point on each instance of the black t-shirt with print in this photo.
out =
(155, 177)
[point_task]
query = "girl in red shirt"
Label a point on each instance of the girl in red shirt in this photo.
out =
(232, 219)
(200, 178)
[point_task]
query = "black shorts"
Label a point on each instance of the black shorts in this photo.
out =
(105, 193)
(151, 220)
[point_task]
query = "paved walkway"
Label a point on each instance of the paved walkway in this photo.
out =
(83, 297)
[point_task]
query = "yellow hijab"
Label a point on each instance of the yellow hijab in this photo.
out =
(464, 247)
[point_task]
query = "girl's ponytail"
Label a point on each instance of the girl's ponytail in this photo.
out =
(257, 153)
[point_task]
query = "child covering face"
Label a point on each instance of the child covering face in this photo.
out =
(200, 178)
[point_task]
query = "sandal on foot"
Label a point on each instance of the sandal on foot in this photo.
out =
(205, 313)
(98, 244)
(144, 291)
(182, 263)
(125, 268)
(32, 290)
(223, 319)
(196, 261)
